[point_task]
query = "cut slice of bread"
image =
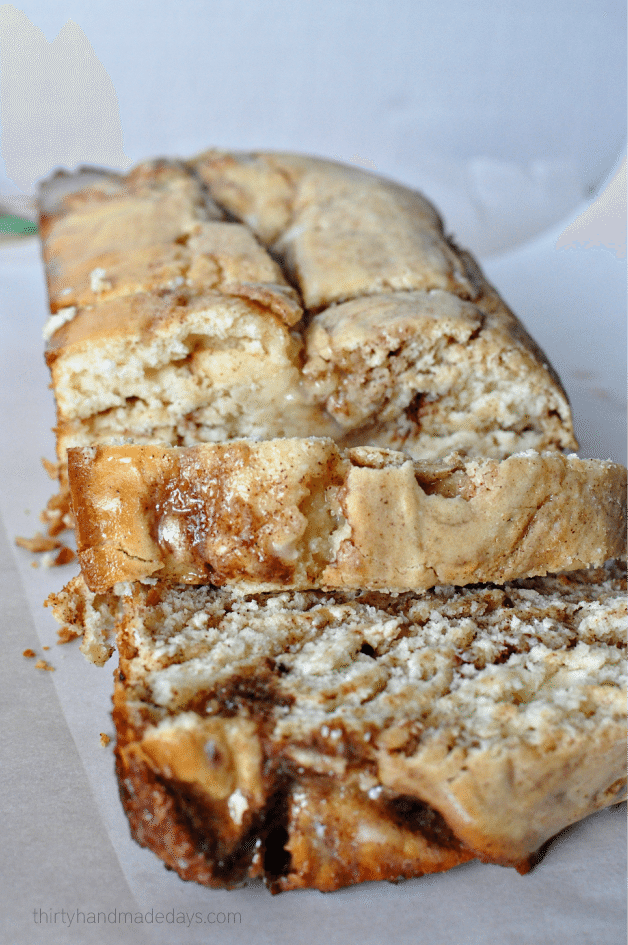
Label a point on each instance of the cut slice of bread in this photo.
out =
(182, 314)
(301, 513)
(319, 740)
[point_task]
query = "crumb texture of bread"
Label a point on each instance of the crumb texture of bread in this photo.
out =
(321, 739)
(83, 615)
(302, 513)
(273, 295)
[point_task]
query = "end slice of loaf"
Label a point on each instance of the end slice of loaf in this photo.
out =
(319, 740)
(302, 513)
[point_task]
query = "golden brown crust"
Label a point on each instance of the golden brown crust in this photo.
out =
(338, 836)
(218, 256)
(302, 513)
(153, 186)
(160, 202)
(340, 231)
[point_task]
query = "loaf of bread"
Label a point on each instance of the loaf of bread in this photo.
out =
(304, 694)
(319, 739)
(302, 513)
(274, 295)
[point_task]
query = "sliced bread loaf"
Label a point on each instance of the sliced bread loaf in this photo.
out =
(319, 740)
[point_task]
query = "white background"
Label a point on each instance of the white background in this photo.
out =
(507, 114)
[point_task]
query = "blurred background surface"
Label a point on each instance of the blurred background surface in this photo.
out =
(509, 116)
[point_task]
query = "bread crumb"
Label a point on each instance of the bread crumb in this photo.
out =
(66, 634)
(54, 322)
(29, 654)
(104, 739)
(45, 647)
(37, 543)
(65, 556)
(47, 544)
(42, 664)
(51, 468)
(57, 515)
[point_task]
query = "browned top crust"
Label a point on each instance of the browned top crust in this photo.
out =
(332, 285)
(302, 513)
(91, 190)
(342, 232)
(216, 257)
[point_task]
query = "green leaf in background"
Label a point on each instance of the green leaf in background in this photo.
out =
(17, 225)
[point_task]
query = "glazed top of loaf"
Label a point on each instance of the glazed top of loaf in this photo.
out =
(395, 336)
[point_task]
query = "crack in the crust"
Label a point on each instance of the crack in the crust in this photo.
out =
(118, 548)
(276, 858)
(475, 334)
(230, 217)
(204, 189)
(386, 290)
(290, 279)
(294, 188)
(274, 254)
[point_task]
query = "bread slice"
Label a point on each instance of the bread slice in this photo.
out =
(180, 315)
(319, 740)
(302, 513)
